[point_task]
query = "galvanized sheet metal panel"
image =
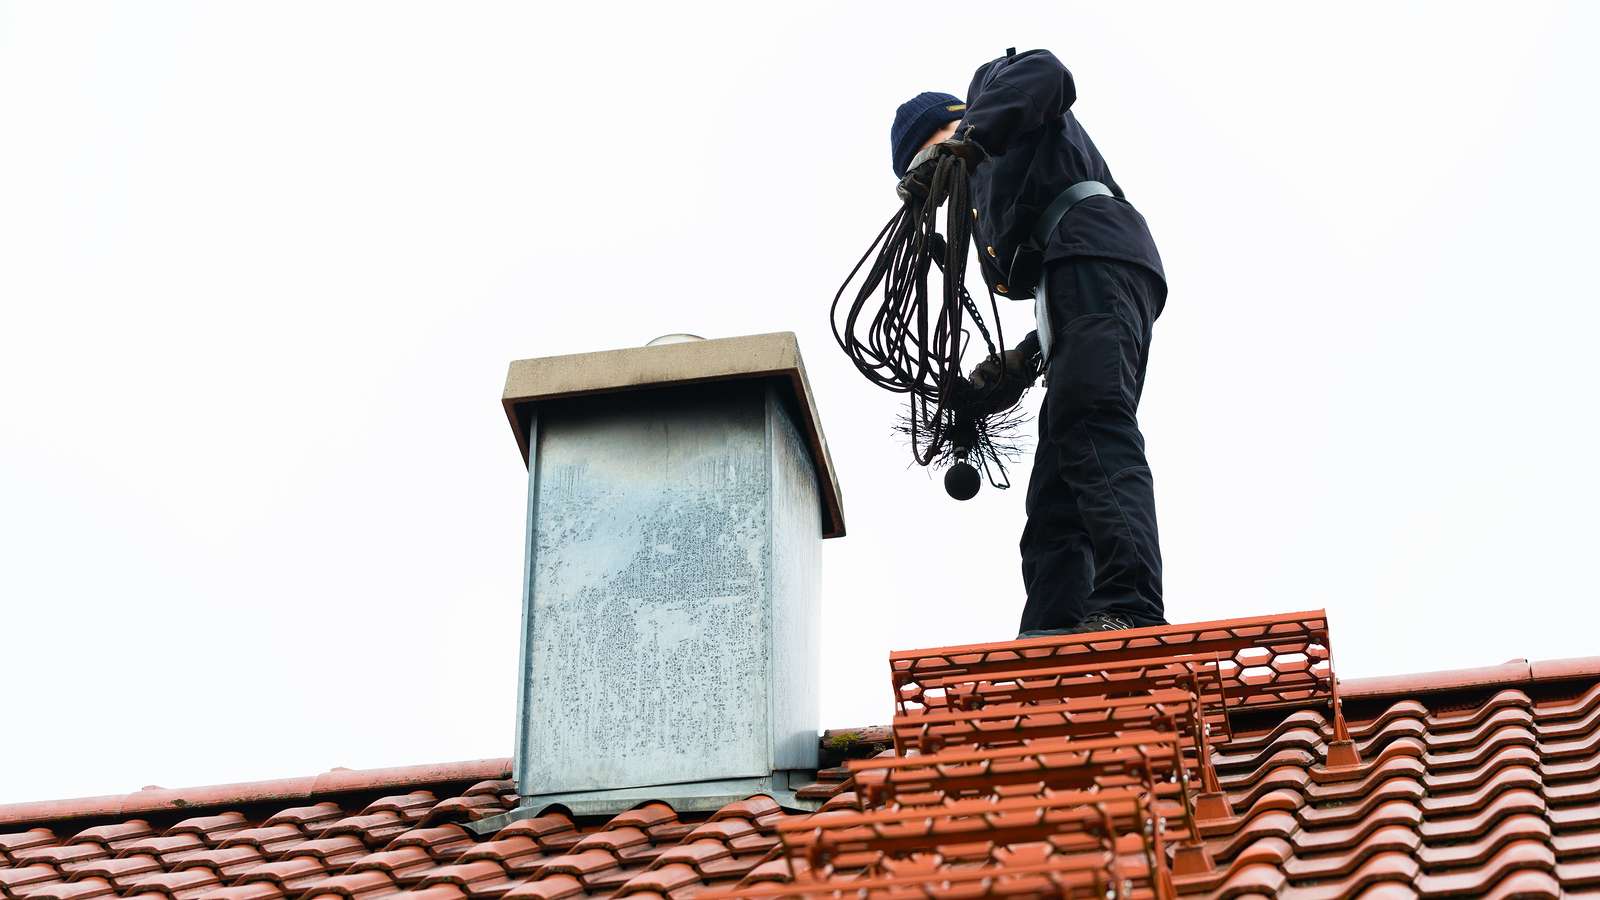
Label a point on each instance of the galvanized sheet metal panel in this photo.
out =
(659, 525)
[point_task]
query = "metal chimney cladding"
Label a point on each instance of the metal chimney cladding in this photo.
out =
(677, 498)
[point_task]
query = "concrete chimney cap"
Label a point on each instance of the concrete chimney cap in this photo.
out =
(773, 356)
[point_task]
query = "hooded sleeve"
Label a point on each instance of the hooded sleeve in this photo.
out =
(1014, 95)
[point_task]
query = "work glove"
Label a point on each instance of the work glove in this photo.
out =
(919, 176)
(1000, 381)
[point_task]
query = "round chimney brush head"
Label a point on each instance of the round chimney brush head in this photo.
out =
(961, 481)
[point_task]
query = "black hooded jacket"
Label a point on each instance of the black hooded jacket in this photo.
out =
(1020, 111)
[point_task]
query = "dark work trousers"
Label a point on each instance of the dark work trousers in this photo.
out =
(1090, 544)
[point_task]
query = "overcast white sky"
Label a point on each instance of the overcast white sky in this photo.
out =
(262, 266)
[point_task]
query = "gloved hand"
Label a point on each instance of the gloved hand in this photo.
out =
(919, 175)
(967, 150)
(1001, 380)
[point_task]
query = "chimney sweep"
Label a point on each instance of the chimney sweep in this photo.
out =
(1016, 174)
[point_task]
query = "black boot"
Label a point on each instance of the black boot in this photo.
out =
(1096, 621)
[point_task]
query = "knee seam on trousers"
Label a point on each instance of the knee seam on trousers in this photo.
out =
(1127, 526)
(1121, 472)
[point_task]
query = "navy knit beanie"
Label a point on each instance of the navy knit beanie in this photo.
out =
(916, 120)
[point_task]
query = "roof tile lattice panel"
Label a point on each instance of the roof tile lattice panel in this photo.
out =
(1000, 725)
(1102, 835)
(1257, 662)
(1152, 760)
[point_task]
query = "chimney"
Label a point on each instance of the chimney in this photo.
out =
(678, 495)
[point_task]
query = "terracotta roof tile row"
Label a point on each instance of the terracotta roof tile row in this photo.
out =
(412, 843)
(1483, 784)
(1464, 800)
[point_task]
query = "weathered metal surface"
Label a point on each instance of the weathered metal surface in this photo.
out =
(773, 358)
(671, 600)
(795, 572)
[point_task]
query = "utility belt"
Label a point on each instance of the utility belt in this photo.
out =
(1026, 276)
(1027, 263)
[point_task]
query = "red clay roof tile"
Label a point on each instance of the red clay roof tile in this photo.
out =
(1440, 855)
(662, 880)
(443, 842)
(58, 856)
(360, 884)
(115, 837)
(518, 853)
(71, 890)
(269, 839)
(406, 864)
(483, 871)
(1583, 873)
(434, 892)
(181, 885)
(1325, 816)
(1389, 839)
(260, 890)
(229, 861)
(1481, 783)
(308, 817)
(288, 874)
(465, 809)
(12, 878)
(166, 845)
(336, 852)
(579, 865)
(336, 781)
(553, 887)
(548, 830)
(1477, 881)
(116, 869)
(622, 842)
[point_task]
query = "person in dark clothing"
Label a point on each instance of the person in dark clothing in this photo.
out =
(1056, 227)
